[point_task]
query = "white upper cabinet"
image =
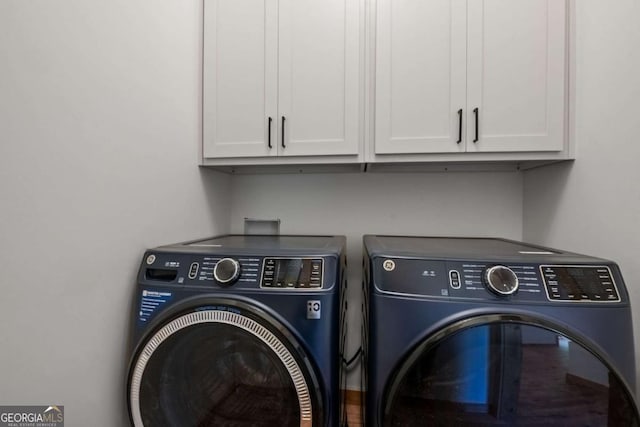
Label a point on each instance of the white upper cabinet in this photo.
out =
(240, 78)
(319, 80)
(420, 79)
(470, 76)
(282, 78)
(516, 75)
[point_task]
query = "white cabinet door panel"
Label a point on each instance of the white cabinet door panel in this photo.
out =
(319, 74)
(516, 78)
(240, 72)
(420, 75)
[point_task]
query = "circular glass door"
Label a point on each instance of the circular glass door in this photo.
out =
(214, 367)
(491, 371)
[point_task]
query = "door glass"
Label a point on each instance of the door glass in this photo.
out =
(215, 374)
(507, 374)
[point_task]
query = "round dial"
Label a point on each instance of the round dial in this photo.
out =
(501, 280)
(226, 271)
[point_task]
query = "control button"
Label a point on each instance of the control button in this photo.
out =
(454, 279)
(193, 270)
(501, 280)
(226, 271)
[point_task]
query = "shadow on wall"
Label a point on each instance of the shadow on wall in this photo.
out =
(544, 189)
(217, 187)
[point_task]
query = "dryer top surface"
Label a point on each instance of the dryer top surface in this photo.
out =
(259, 244)
(468, 248)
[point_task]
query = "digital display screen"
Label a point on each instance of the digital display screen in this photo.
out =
(580, 283)
(292, 273)
(288, 271)
(580, 280)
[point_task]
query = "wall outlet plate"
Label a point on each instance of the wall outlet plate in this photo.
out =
(262, 226)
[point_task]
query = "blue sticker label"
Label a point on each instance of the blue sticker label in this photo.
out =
(150, 302)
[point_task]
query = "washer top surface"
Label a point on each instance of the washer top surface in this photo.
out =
(239, 243)
(468, 248)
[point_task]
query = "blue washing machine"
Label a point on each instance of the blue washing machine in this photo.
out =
(238, 330)
(491, 332)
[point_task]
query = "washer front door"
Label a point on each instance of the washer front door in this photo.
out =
(506, 371)
(223, 365)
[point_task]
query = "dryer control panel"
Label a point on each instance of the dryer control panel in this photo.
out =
(516, 282)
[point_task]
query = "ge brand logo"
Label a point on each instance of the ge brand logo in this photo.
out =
(313, 309)
(151, 259)
(389, 265)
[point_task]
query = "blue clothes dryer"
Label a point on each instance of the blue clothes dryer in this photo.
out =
(238, 330)
(491, 332)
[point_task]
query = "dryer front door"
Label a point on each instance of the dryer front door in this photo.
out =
(223, 365)
(506, 371)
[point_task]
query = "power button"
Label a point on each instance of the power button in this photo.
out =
(454, 279)
(193, 270)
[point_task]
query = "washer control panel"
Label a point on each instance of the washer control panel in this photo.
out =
(292, 273)
(303, 273)
(491, 280)
(579, 283)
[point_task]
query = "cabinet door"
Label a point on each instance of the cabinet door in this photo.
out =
(240, 77)
(516, 75)
(319, 77)
(420, 76)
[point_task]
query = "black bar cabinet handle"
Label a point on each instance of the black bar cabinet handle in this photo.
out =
(459, 126)
(475, 113)
(269, 133)
(283, 146)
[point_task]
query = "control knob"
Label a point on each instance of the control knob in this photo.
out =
(501, 280)
(226, 271)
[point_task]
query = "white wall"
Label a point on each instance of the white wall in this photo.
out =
(593, 205)
(443, 204)
(99, 128)
(99, 132)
